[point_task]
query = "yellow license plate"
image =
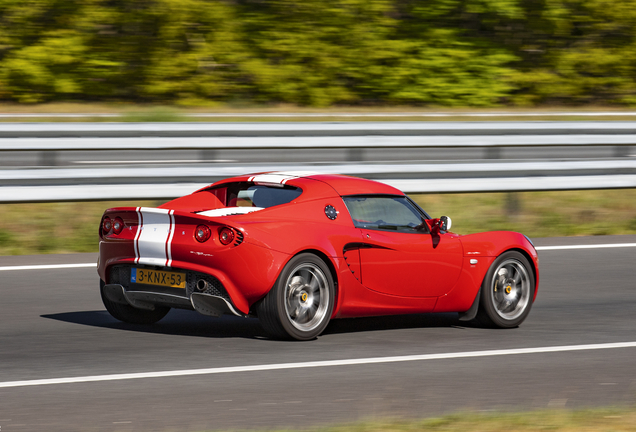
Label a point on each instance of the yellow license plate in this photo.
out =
(157, 277)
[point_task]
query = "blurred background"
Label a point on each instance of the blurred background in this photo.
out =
(252, 61)
(502, 114)
(319, 53)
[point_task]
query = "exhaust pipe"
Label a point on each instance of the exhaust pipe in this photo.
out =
(202, 285)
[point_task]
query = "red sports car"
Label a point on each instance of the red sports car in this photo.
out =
(297, 249)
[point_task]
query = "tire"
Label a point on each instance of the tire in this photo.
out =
(132, 315)
(300, 304)
(507, 291)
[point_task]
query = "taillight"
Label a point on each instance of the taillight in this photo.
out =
(118, 225)
(226, 236)
(106, 225)
(202, 233)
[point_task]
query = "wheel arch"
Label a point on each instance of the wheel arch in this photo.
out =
(268, 309)
(532, 264)
(471, 313)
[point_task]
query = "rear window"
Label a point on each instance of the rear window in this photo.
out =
(250, 195)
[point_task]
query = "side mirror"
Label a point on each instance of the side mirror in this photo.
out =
(445, 223)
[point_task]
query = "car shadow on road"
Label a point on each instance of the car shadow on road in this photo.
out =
(177, 322)
(188, 323)
(393, 322)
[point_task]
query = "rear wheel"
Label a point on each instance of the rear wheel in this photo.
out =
(300, 304)
(132, 315)
(507, 291)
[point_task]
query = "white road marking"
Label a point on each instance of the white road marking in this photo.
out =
(595, 246)
(314, 364)
(47, 266)
(539, 248)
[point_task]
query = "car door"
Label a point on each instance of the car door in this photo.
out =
(398, 256)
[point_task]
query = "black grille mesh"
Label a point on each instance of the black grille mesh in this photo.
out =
(214, 286)
(120, 274)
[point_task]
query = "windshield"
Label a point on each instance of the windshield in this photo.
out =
(393, 213)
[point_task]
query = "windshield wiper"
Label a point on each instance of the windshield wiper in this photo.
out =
(398, 227)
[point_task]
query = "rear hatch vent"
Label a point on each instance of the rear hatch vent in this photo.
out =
(239, 237)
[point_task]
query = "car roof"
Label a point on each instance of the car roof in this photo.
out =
(342, 184)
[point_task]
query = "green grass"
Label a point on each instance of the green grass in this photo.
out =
(587, 420)
(580, 420)
(72, 227)
(539, 214)
(27, 229)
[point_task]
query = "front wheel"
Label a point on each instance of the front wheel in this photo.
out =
(129, 314)
(300, 304)
(507, 291)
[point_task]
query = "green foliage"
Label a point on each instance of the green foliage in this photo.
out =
(583, 51)
(195, 53)
(319, 52)
(314, 53)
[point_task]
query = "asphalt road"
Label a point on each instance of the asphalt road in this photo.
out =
(53, 325)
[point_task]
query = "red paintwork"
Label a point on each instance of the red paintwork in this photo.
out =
(376, 272)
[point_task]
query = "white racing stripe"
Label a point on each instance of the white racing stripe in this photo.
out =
(170, 237)
(280, 177)
(596, 246)
(227, 211)
(314, 364)
(152, 242)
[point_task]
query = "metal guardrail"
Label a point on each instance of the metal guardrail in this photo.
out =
(51, 138)
(139, 182)
(311, 142)
(314, 129)
(68, 184)
(211, 173)
(58, 193)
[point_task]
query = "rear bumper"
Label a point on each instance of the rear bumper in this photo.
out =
(205, 304)
(247, 272)
(213, 300)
